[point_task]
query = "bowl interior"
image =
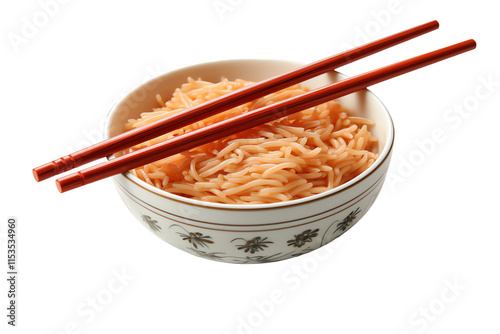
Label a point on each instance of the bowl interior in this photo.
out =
(143, 98)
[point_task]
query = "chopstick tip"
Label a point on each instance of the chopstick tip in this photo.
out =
(44, 172)
(35, 175)
(70, 182)
(468, 45)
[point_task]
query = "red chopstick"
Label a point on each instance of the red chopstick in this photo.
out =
(256, 117)
(212, 107)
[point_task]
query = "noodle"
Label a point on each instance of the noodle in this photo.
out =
(294, 157)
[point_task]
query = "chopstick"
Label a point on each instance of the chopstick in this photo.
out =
(259, 116)
(231, 100)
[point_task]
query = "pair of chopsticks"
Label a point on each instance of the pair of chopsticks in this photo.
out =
(242, 122)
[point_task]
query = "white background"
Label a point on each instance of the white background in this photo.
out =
(423, 260)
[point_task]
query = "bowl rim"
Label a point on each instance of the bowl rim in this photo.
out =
(383, 156)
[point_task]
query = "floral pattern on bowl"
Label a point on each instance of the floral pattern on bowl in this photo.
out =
(201, 244)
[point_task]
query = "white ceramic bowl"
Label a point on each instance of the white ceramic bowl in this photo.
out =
(251, 233)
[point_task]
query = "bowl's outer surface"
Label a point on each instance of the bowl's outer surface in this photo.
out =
(253, 233)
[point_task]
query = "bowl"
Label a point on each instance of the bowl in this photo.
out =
(256, 233)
